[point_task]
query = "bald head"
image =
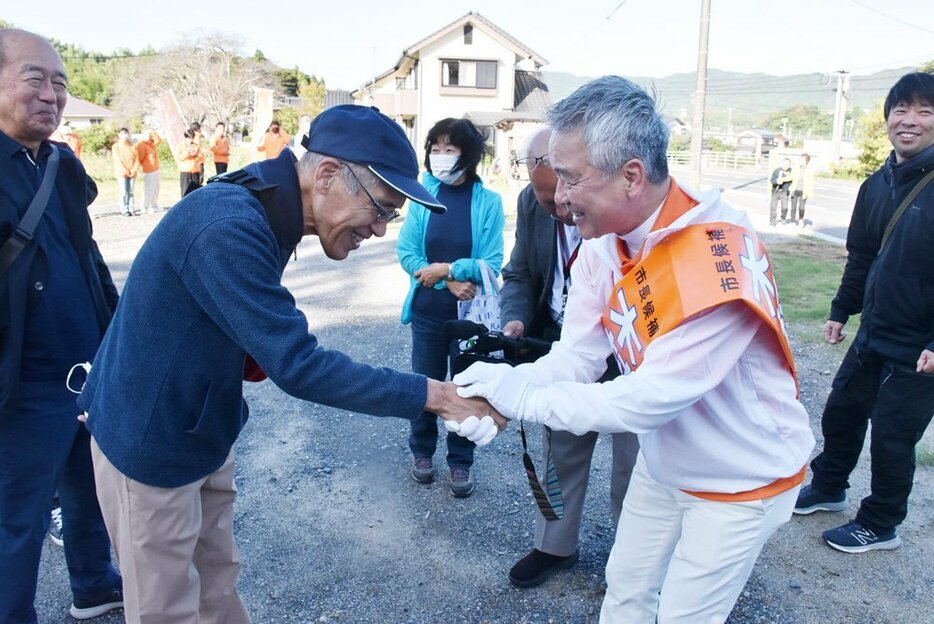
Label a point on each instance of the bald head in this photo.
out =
(542, 177)
(537, 144)
(33, 87)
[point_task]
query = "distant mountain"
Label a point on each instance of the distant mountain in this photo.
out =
(749, 95)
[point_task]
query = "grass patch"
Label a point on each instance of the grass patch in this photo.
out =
(808, 274)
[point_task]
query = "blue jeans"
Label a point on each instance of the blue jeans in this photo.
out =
(431, 351)
(43, 446)
(127, 194)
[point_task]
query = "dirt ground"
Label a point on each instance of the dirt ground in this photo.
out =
(332, 529)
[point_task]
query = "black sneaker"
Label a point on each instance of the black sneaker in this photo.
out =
(535, 568)
(461, 483)
(422, 470)
(56, 530)
(87, 609)
(856, 538)
(810, 499)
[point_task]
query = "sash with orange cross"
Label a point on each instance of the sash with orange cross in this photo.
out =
(692, 270)
(689, 271)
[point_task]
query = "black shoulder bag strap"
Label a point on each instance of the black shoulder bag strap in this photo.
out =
(22, 235)
(904, 206)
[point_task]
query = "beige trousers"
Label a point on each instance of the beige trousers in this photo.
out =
(679, 559)
(175, 546)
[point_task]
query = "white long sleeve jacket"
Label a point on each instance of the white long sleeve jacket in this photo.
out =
(713, 402)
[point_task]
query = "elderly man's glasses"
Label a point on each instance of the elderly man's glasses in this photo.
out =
(533, 161)
(382, 215)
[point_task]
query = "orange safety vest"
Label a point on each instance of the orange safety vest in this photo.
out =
(74, 142)
(220, 147)
(273, 144)
(126, 161)
(689, 271)
(148, 157)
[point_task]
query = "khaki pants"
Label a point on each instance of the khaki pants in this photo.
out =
(151, 183)
(175, 546)
(572, 455)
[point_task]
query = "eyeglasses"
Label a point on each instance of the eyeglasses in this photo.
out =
(537, 160)
(382, 215)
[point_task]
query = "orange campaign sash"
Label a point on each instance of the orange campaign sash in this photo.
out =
(687, 272)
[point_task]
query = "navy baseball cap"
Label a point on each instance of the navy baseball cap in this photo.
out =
(363, 135)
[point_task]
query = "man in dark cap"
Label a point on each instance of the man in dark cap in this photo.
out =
(203, 303)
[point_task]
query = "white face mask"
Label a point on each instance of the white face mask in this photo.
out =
(442, 167)
(86, 367)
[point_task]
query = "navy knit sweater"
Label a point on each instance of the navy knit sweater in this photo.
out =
(165, 395)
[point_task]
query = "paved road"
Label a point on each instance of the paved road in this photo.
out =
(829, 209)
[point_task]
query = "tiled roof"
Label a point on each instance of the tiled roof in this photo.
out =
(531, 94)
(410, 51)
(76, 107)
(476, 17)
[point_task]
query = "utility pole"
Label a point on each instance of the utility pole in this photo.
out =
(839, 112)
(729, 121)
(700, 93)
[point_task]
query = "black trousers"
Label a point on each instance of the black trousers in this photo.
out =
(798, 202)
(188, 182)
(899, 402)
(779, 196)
(220, 168)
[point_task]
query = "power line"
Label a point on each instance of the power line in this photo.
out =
(613, 12)
(892, 17)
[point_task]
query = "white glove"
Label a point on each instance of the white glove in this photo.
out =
(480, 431)
(507, 389)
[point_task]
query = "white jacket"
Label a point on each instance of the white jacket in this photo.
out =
(713, 401)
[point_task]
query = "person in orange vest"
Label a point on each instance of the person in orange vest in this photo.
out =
(66, 134)
(677, 287)
(273, 142)
(149, 163)
(188, 155)
(220, 148)
(126, 166)
(202, 153)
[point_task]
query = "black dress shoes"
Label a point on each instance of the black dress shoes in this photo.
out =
(535, 568)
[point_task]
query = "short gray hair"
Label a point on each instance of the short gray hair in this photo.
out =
(310, 161)
(620, 122)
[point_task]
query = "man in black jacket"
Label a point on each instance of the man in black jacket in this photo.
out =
(56, 300)
(535, 287)
(887, 376)
(781, 180)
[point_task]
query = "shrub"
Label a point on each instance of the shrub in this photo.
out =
(97, 139)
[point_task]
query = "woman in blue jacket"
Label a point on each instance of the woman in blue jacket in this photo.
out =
(441, 254)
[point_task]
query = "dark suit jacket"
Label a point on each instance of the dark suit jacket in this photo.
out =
(529, 276)
(17, 286)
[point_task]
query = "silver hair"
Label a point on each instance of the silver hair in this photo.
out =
(620, 122)
(311, 160)
(526, 149)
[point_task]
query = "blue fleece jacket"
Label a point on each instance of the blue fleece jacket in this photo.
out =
(486, 224)
(164, 396)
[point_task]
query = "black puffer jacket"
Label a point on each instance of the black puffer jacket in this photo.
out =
(894, 289)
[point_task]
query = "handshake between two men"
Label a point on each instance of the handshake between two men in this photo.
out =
(480, 401)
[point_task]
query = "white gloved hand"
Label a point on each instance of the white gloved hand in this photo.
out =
(480, 431)
(507, 389)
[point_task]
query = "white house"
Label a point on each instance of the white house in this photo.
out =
(81, 113)
(470, 68)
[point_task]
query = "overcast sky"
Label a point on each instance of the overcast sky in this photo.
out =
(349, 42)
